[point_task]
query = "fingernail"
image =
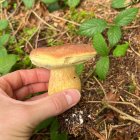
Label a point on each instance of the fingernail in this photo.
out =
(72, 96)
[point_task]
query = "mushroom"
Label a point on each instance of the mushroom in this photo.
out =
(61, 60)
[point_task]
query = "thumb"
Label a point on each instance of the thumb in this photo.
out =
(53, 105)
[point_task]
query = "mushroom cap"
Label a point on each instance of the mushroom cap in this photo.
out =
(62, 56)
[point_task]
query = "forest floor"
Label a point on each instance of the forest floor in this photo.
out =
(103, 112)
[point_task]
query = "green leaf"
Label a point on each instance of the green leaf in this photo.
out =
(53, 7)
(7, 62)
(3, 24)
(114, 35)
(44, 124)
(126, 16)
(62, 136)
(118, 4)
(54, 135)
(4, 39)
(3, 52)
(54, 130)
(29, 3)
(102, 67)
(5, 4)
(79, 69)
(100, 45)
(121, 50)
(90, 27)
(49, 1)
(73, 3)
(54, 126)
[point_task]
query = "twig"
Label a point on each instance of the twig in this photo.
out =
(27, 42)
(131, 27)
(106, 132)
(34, 33)
(36, 42)
(27, 15)
(11, 26)
(122, 125)
(94, 132)
(135, 82)
(132, 94)
(69, 21)
(113, 102)
(126, 103)
(126, 116)
(134, 51)
(15, 10)
(101, 86)
(43, 21)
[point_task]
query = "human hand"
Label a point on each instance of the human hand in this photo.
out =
(18, 117)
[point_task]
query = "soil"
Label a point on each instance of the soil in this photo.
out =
(91, 118)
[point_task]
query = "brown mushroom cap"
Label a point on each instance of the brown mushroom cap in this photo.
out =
(61, 56)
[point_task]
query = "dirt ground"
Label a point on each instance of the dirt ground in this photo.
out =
(110, 109)
(92, 118)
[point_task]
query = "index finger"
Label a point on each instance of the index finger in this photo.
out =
(22, 78)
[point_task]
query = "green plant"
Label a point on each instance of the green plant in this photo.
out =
(29, 3)
(118, 4)
(52, 4)
(73, 3)
(53, 125)
(79, 69)
(6, 60)
(49, 1)
(94, 28)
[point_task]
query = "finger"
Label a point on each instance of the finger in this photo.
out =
(37, 97)
(25, 91)
(52, 105)
(22, 78)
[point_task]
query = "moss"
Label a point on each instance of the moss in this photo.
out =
(78, 17)
(131, 88)
(53, 42)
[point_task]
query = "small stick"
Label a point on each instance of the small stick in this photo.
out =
(132, 94)
(126, 116)
(60, 18)
(11, 15)
(134, 51)
(131, 27)
(113, 102)
(44, 21)
(106, 132)
(101, 86)
(36, 42)
(27, 42)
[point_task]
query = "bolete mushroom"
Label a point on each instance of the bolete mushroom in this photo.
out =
(61, 60)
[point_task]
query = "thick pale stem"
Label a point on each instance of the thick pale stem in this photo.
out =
(62, 79)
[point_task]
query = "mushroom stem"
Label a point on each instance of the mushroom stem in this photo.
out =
(62, 79)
